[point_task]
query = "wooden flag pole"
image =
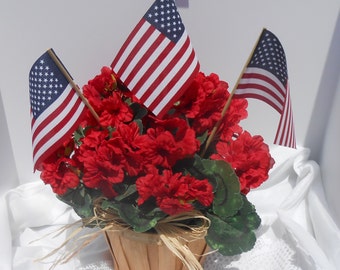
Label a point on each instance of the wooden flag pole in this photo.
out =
(70, 80)
(226, 106)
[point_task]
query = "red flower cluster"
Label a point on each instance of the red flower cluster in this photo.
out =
(174, 193)
(250, 158)
(129, 148)
(203, 102)
(60, 171)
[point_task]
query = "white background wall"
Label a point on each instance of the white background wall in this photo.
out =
(87, 34)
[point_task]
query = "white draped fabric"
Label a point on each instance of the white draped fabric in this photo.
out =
(299, 204)
(297, 231)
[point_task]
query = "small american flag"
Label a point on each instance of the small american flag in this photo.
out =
(55, 108)
(157, 61)
(266, 78)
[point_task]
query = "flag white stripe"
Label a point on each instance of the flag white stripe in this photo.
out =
(291, 141)
(59, 134)
(263, 94)
(282, 127)
(138, 56)
(274, 92)
(171, 74)
(148, 63)
(49, 110)
(280, 93)
(131, 46)
(59, 118)
(285, 132)
(160, 68)
(178, 85)
(261, 71)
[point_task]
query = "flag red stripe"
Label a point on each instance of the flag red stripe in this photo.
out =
(283, 125)
(134, 51)
(164, 73)
(291, 138)
(289, 123)
(57, 127)
(260, 82)
(151, 70)
(37, 129)
(126, 43)
(144, 59)
(260, 97)
(56, 134)
(179, 93)
(285, 133)
(56, 144)
(173, 82)
(260, 86)
(267, 79)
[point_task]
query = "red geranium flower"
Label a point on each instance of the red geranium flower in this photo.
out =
(60, 174)
(129, 140)
(103, 165)
(105, 82)
(170, 141)
(203, 101)
(236, 112)
(174, 193)
(115, 111)
(250, 158)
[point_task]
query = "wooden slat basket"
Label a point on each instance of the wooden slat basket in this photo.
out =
(146, 251)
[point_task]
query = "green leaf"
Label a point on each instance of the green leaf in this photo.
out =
(112, 205)
(139, 221)
(140, 125)
(203, 137)
(139, 111)
(246, 217)
(234, 235)
(81, 199)
(78, 135)
(228, 199)
(131, 190)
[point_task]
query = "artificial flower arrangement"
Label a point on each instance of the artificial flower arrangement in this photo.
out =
(143, 169)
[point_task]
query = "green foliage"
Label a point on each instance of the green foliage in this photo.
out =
(228, 199)
(78, 135)
(234, 235)
(233, 218)
(139, 220)
(139, 111)
(81, 199)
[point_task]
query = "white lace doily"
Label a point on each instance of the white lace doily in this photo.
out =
(268, 254)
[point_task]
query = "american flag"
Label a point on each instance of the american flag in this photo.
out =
(157, 61)
(266, 78)
(55, 108)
